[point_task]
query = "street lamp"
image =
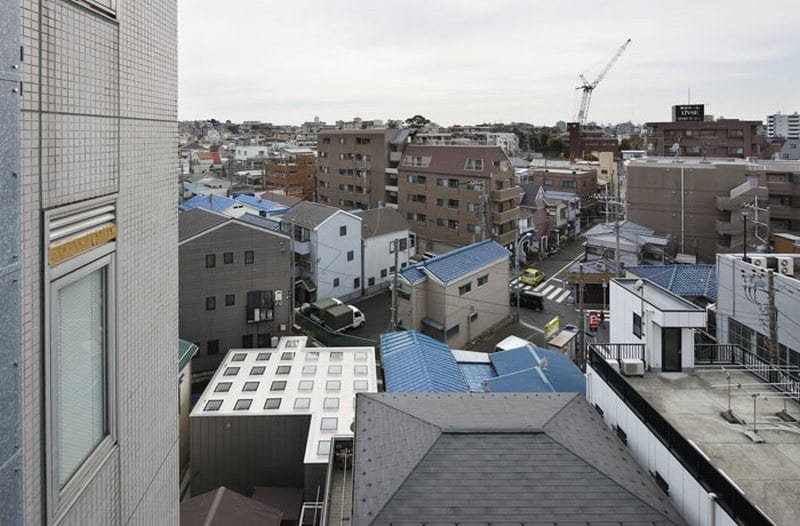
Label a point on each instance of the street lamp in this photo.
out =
(745, 210)
(516, 269)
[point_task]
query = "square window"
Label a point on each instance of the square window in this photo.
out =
(305, 385)
(360, 369)
(463, 289)
(356, 283)
(360, 356)
(222, 387)
(211, 260)
(284, 369)
(292, 344)
(227, 258)
(342, 230)
(329, 423)
(350, 255)
(370, 282)
(249, 257)
(334, 369)
(258, 370)
(211, 303)
(309, 369)
(239, 357)
(383, 272)
(250, 386)
(302, 403)
(324, 447)
(230, 300)
(231, 371)
(333, 385)
(287, 356)
(483, 280)
(213, 405)
(263, 340)
(278, 385)
(360, 385)
(335, 282)
(637, 325)
(243, 404)
(263, 356)
(272, 403)
(336, 356)
(312, 356)
(330, 403)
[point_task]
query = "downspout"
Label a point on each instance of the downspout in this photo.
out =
(712, 509)
(683, 213)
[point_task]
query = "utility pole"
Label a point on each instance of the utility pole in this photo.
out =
(395, 247)
(582, 333)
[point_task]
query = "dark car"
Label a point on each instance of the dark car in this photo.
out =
(528, 299)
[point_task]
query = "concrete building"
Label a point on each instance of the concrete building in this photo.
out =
(88, 263)
(328, 251)
(790, 151)
(186, 351)
(380, 228)
(456, 195)
(268, 416)
(783, 126)
(291, 172)
(720, 138)
(586, 142)
(235, 284)
(555, 215)
(457, 296)
(580, 181)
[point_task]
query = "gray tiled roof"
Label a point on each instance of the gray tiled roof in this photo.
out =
(309, 215)
(196, 220)
(379, 221)
(496, 458)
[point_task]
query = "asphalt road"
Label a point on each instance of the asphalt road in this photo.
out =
(377, 310)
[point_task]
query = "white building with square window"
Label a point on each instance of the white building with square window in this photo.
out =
(268, 416)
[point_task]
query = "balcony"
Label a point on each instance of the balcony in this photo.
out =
(725, 202)
(791, 213)
(789, 189)
(302, 247)
(506, 238)
(395, 156)
(501, 218)
(729, 227)
(506, 193)
(621, 351)
(391, 187)
(391, 171)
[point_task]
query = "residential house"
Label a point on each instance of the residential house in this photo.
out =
(235, 284)
(790, 151)
(555, 215)
(456, 296)
(637, 243)
(328, 251)
(384, 232)
(203, 161)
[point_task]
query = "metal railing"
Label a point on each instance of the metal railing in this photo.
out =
(330, 338)
(620, 351)
(729, 496)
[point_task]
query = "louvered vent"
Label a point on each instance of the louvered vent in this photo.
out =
(77, 232)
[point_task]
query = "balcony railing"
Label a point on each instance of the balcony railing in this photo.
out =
(506, 193)
(729, 496)
(621, 351)
(501, 218)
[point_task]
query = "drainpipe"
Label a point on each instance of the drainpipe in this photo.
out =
(712, 508)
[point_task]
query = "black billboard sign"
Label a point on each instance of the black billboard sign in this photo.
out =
(688, 112)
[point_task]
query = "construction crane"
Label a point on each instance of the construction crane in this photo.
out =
(588, 87)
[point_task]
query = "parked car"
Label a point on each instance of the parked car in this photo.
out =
(528, 299)
(531, 276)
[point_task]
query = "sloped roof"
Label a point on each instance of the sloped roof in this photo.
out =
(452, 160)
(286, 200)
(458, 263)
(379, 221)
(216, 203)
(224, 507)
(261, 222)
(416, 363)
(209, 156)
(532, 369)
(261, 204)
(628, 230)
(196, 220)
(309, 215)
(683, 280)
(496, 459)
(186, 351)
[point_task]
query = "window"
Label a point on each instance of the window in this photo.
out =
(213, 405)
(211, 303)
(309, 369)
(278, 385)
(334, 369)
(284, 369)
(416, 217)
(370, 282)
(243, 404)
(417, 179)
(302, 403)
(637, 325)
(108, 7)
(329, 423)
(360, 369)
(356, 283)
(291, 343)
(263, 356)
(360, 385)
(350, 254)
(250, 386)
(247, 341)
(260, 306)
(568, 184)
(360, 356)
(239, 357)
(230, 300)
(342, 230)
(483, 280)
(447, 183)
(336, 356)
(474, 164)
(363, 140)
(227, 258)
(417, 198)
(478, 187)
(258, 370)
(342, 140)
(452, 331)
(548, 182)
(326, 140)
(263, 339)
(249, 257)
(330, 403)
(223, 387)
(231, 371)
(212, 347)
(272, 403)
(305, 385)
(383, 272)
(211, 260)
(463, 289)
(333, 385)
(324, 447)
(312, 356)
(335, 282)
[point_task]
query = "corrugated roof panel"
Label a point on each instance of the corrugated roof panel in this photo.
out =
(416, 363)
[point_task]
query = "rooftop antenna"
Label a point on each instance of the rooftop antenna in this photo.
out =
(689, 94)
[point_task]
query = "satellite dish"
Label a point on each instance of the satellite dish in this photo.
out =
(543, 363)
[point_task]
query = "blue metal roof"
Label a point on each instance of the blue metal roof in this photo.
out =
(554, 371)
(457, 263)
(476, 373)
(215, 203)
(416, 363)
(514, 360)
(683, 280)
(523, 381)
(265, 205)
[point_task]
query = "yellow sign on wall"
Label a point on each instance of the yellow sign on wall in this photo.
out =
(551, 328)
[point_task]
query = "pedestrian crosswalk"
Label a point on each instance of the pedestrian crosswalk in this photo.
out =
(549, 290)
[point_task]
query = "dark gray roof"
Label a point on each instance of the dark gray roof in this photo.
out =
(309, 215)
(496, 458)
(196, 220)
(222, 507)
(379, 221)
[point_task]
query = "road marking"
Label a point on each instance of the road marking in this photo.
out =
(563, 296)
(540, 287)
(555, 293)
(534, 327)
(547, 290)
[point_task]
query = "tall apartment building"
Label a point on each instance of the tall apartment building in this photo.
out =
(780, 126)
(456, 195)
(291, 173)
(720, 138)
(88, 263)
(351, 166)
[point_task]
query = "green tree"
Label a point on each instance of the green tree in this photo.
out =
(625, 144)
(417, 122)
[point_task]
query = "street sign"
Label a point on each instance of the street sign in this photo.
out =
(551, 328)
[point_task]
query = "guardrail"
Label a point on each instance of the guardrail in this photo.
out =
(620, 351)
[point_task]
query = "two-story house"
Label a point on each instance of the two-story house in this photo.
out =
(384, 231)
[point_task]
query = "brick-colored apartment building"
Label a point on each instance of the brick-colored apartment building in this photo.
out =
(720, 138)
(291, 173)
(579, 181)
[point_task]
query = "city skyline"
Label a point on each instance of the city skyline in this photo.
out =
(470, 62)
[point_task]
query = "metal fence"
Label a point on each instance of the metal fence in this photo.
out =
(621, 351)
(729, 496)
(330, 338)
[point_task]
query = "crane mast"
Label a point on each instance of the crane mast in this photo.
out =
(588, 87)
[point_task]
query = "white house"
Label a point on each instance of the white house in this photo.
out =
(328, 253)
(380, 227)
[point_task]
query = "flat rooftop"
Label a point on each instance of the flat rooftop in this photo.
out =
(768, 473)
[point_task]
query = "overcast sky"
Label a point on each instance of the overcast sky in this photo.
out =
(467, 62)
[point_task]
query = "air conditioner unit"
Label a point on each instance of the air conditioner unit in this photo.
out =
(632, 367)
(614, 364)
(759, 261)
(786, 265)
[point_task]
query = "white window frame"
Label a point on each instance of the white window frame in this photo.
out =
(61, 499)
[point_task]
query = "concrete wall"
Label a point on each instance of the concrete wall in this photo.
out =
(184, 408)
(99, 118)
(377, 256)
(330, 252)
(270, 270)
